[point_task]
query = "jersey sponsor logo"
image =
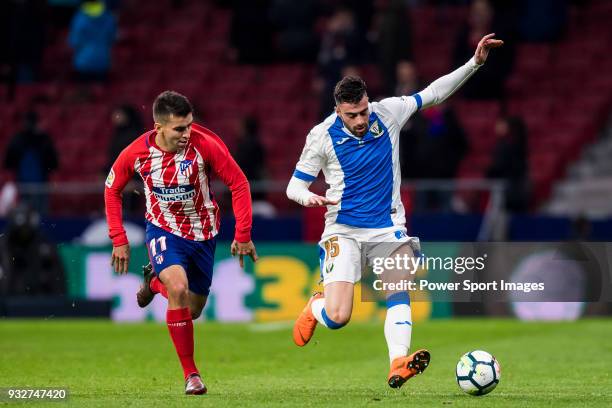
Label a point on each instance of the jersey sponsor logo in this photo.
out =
(341, 141)
(185, 167)
(176, 193)
(376, 130)
(110, 179)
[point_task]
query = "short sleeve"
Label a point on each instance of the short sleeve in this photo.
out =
(312, 159)
(402, 107)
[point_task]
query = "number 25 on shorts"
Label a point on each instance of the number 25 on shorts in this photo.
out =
(332, 249)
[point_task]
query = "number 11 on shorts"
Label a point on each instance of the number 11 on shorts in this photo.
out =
(162, 245)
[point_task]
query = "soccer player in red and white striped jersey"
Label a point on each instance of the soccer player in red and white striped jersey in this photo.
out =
(176, 161)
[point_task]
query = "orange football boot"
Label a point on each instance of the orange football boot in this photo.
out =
(404, 368)
(305, 324)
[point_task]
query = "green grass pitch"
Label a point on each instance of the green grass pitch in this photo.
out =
(131, 365)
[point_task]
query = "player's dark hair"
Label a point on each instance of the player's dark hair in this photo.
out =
(170, 103)
(350, 89)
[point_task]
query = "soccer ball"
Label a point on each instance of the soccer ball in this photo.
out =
(478, 372)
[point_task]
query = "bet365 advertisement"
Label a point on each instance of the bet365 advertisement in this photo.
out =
(275, 288)
(531, 280)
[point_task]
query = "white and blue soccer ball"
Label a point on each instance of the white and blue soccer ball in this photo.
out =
(478, 372)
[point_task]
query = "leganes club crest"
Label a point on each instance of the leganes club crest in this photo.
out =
(376, 130)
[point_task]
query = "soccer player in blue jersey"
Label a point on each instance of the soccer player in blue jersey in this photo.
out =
(357, 149)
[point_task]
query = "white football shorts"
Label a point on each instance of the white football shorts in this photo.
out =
(343, 256)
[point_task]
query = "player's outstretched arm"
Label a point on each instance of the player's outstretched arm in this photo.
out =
(298, 191)
(442, 88)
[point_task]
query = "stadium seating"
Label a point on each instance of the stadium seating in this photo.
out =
(551, 87)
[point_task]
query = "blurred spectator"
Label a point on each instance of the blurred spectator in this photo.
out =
(27, 38)
(542, 20)
(510, 162)
(128, 126)
(92, 33)
(294, 22)
(432, 143)
(393, 39)
(251, 32)
(350, 70)
(432, 146)
(31, 155)
(342, 44)
(251, 157)
(250, 154)
(488, 82)
(29, 263)
(407, 79)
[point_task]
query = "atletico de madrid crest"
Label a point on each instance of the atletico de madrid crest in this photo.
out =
(185, 167)
(159, 259)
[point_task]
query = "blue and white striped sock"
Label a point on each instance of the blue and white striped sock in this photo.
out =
(318, 310)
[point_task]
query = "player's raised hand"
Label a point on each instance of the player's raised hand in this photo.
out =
(120, 259)
(243, 248)
(319, 201)
(484, 46)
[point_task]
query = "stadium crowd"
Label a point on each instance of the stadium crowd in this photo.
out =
(89, 70)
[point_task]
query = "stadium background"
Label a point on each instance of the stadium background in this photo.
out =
(259, 74)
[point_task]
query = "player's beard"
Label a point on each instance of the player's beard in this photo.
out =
(359, 132)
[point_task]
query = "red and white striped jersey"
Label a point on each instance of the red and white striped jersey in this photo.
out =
(177, 187)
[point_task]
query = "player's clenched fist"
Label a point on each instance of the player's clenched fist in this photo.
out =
(120, 259)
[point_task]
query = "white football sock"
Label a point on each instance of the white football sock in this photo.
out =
(317, 310)
(398, 330)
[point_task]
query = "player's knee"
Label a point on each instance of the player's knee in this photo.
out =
(178, 290)
(337, 317)
(342, 317)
